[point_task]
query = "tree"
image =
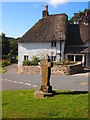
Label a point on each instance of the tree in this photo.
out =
(9, 45)
(79, 16)
(5, 45)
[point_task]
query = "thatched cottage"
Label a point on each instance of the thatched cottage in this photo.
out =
(53, 35)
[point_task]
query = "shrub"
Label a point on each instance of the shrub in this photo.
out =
(8, 62)
(5, 63)
(72, 62)
(65, 62)
(26, 63)
(58, 63)
(35, 60)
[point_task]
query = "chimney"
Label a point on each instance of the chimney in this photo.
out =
(86, 14)
(45, 12)
(86, 18)
(46, 7)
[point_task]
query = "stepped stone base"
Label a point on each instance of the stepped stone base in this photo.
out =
(41, 94)
(47, 89)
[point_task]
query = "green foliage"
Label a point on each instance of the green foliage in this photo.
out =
(58, 63)
(26, 63)
(78, 15)
(13, 47)
(4, 63)
(5, 45)
(72, 62)
(35, 60)
(2, 70)
(66, 62)
(23, 104)
(9, 45)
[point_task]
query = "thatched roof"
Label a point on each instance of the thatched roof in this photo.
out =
(74, 49)
(84, 32)
(77, 50)
(86, 50)
(77, 36)
(51, 28)
(73, 35)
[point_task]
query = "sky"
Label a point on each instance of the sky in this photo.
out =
(19, 17)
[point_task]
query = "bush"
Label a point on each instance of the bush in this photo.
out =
(72, 62)
(35, 60)
(26, 63)
(65, 62)
(59, 63)
(5, 63)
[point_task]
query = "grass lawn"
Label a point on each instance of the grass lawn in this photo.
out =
(22, 104)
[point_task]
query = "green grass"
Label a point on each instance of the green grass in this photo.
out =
(23, 104)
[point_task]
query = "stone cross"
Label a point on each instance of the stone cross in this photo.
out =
(45, 89)
(46, 73)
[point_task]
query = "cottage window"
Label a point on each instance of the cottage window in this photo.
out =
(53, 58)
(25, 57)
(78, 57)
(53, 44)
(71, 57)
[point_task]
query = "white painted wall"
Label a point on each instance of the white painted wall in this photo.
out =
(88, 60)
(38, 49)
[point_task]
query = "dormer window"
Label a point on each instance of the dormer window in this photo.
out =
(53, 44)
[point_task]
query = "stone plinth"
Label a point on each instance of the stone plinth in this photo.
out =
(41, 94)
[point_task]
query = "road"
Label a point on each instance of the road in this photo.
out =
(13, 81)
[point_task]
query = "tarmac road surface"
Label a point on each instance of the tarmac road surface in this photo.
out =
(13, 81)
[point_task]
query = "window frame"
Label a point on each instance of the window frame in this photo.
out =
(53, 58)
(53, 44)
(26, 57)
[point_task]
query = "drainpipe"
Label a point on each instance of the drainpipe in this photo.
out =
(74, 58)
(86, 60)
(60, 49)
(83, 59)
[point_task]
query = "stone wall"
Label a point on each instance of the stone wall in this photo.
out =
(29, 70)
(37, 70)
(59, 70)
(74, 69)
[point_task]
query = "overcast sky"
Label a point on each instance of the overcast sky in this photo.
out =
(18, 17)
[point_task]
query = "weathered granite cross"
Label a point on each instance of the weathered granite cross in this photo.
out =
(45, 88)
(46, 73)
